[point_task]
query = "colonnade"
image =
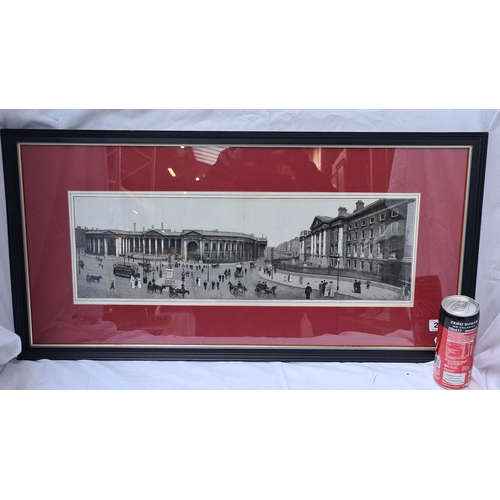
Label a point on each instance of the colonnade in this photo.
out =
(216, 250)
(116, 245)
(322, 246)
(220, 250)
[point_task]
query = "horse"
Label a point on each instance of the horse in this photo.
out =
(271, 291)
(175, 292)
(91, 278)
(153, 288)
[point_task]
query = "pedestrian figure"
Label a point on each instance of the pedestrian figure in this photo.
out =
(213, 285)
(217, 285)
(112, 287)
(205, 284)
(308, 291)
(367, 284)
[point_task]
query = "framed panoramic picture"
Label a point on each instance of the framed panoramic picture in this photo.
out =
(256, 246)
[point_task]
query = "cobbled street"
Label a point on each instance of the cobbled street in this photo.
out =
(213, 283)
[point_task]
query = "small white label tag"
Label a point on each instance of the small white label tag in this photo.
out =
(433, 325)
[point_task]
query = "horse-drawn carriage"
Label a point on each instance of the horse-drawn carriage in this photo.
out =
(172, 290)
(263, 289)
(154, 288)
(175, 292)
(91, 278)
(238, 289)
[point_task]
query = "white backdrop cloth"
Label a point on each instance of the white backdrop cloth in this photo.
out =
(48, 374)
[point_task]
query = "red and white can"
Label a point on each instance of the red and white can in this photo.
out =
(456, 341)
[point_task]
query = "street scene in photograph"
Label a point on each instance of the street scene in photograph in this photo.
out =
(243, 248)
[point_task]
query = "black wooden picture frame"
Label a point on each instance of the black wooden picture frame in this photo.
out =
(61, 162)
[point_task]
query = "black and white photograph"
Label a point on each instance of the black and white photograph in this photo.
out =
(317, 249)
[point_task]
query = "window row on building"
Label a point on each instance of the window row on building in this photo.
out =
(376, 238)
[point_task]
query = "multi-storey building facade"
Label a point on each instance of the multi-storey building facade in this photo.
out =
(376, 239)
(288, 249)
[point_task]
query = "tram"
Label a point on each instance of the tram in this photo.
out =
(125, 270)
(239, 271)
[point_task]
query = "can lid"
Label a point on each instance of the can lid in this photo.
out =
(460, 305)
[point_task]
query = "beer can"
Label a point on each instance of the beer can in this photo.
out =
(456, 341)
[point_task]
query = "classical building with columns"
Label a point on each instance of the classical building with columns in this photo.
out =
(196, 245)
(375, 239)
